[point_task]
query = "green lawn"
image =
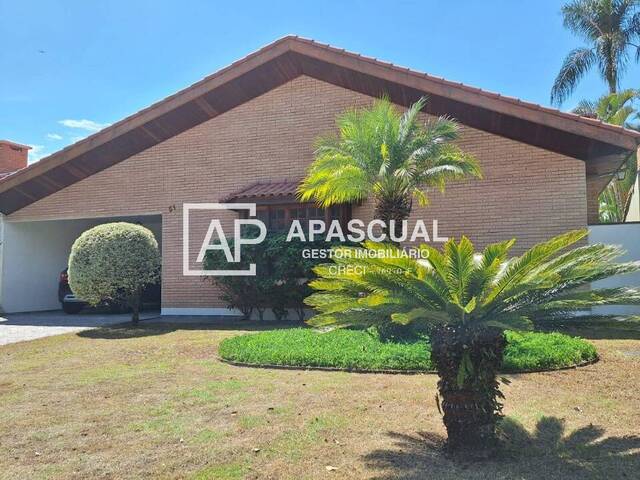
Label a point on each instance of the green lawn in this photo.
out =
(155, 402)
(361, 350)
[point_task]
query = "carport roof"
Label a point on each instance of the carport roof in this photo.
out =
(602, 146)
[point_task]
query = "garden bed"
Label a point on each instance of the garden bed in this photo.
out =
(356, 350)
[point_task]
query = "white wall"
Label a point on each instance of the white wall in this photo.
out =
(1, 248)
(32, 256)
(633, 214)
(626, 235)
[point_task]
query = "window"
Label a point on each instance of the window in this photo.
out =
(278, 218)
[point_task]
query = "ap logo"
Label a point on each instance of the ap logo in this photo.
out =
(216, 231)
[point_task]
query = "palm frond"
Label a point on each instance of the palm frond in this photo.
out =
(459, 263)
(586, 108)
(457, 287)
(575, 66)
(519, 268)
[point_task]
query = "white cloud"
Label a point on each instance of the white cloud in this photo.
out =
(36, 153)
(54, 136)
(88, 125)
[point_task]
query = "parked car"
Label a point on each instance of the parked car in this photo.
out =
(72, 304)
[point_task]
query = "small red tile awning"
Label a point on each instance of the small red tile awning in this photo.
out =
(266, 192)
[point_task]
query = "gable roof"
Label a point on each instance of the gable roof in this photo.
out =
(602, 146)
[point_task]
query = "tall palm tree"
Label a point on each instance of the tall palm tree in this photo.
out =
(611, 28)
(615, 108)
(386, 154)
(466, 301)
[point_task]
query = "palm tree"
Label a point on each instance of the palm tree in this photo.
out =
(614, 108)
(387, 154)
(612, 204)
(611, 28)
(466, 301)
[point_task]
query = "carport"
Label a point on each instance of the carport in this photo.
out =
(33, 253)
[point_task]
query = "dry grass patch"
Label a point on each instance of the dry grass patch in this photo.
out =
(155, 403)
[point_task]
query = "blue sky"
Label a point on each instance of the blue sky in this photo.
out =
(70, 67)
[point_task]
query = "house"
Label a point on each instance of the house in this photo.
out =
(246, 133)
(13, 157)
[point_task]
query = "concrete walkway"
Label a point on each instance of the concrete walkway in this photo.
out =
(20, 327)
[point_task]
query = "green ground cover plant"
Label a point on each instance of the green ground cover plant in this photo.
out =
(364, 350)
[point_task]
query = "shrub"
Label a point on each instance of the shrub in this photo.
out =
(114, 262)
(282, 276)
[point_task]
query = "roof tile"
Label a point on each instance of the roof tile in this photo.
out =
(282, 188)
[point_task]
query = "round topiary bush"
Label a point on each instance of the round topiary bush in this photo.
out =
(114, 262)
(363, 351)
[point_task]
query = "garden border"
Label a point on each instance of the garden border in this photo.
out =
(391, 371)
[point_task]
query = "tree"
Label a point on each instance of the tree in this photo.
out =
(386, 154)
(615, 108)
(465, 301)
(611, 28)
(114, 262)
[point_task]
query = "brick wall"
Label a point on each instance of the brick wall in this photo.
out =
(527, 192)
(12, 157)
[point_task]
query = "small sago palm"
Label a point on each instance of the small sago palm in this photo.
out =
(386, 154)
(466, 300)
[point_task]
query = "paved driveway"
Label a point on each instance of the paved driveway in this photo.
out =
(19, 327)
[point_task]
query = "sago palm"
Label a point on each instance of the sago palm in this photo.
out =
(466, 300)
(391, 156)
(611, 29)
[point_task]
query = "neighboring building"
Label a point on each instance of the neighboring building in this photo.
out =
(13, 157)
(246, 134)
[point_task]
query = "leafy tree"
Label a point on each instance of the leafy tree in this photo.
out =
(466, 301)
(617, 109)
(611, 28)
(388, 155)
(114, 262)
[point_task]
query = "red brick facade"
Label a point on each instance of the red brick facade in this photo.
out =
(12, 156)
(527, 192)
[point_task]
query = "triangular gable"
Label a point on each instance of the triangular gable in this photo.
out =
(602, 146)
